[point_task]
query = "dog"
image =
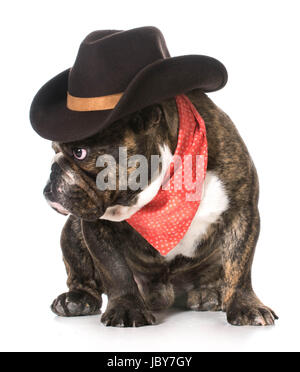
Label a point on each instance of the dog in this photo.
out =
(209, 270)
(145, 247)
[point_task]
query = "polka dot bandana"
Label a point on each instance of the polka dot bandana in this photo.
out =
(165, 220)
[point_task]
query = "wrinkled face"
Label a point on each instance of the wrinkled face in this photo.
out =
(72, 187)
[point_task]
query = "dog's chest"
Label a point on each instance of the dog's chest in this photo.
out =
(215, 201)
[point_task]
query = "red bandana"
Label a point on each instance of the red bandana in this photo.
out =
(165, 220)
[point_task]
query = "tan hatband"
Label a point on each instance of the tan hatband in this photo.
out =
(93, 103)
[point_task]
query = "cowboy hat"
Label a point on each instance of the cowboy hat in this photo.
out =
(115, 74)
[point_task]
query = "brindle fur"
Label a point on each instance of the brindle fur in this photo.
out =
(112, 258)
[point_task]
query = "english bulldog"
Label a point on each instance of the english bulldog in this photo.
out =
(209, 269)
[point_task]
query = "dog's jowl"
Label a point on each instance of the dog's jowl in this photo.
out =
(159, 187)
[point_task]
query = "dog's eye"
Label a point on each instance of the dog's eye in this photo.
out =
(79, 153)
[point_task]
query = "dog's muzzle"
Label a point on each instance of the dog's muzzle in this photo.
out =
(48, 192)
(70, 190)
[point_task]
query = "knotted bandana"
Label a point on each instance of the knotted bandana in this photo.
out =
(165, 220)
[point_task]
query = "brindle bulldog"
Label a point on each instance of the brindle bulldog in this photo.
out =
(209, 270)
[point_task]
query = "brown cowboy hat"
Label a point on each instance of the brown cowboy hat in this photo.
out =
(115, 74)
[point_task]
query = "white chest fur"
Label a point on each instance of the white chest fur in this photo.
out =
(214, 203)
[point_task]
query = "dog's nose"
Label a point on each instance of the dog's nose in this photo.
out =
(47, 189)
(55, 169)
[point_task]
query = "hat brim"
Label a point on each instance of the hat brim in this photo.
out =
(161, 80)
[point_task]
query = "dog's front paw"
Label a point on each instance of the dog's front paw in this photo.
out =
(76, 303)
(123, 312)
(250, 312)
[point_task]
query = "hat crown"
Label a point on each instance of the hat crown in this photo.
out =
(108, 60)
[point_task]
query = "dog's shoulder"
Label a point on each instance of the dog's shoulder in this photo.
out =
(228, 156)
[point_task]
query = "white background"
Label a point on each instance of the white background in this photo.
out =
(258, 41)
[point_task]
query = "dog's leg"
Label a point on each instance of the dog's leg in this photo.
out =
(157, 291)
(238, 246)
(126, 307)
(85, 288)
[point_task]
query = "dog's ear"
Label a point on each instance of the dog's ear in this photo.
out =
(152, 115)
(146, 118)
(156, 114)
(170, 112)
